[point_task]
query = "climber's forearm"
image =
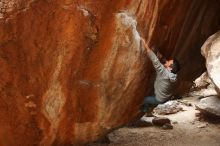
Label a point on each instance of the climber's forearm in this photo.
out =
(145, 45)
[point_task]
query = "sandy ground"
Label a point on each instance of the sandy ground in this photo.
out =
(187, 131)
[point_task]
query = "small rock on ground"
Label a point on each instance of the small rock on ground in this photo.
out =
(161, 121)
(140, 123)
(167, 126)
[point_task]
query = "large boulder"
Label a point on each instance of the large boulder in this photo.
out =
(211, 51)
(209, 105)
(71, 71)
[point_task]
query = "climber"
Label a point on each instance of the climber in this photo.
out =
(166, 75)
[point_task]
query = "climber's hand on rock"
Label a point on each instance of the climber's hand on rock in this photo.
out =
(145, 45)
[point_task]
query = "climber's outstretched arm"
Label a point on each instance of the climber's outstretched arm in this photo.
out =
(156, 63)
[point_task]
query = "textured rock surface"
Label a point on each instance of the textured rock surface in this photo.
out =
(211, 51)
(73, 70)
(203, 86)
(210, 105)
(170, 107)
(202, 82)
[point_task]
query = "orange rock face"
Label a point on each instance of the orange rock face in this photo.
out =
(73, 70)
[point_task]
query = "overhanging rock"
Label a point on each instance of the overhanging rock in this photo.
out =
(73, 70)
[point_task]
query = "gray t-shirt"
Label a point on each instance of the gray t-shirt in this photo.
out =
(164, 79)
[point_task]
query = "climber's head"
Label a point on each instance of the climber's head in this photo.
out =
(172, 65)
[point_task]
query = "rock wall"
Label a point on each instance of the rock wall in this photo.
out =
(71, 71)
(211, 51)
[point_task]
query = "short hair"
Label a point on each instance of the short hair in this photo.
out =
(175, 66)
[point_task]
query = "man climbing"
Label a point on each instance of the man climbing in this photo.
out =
(166, 75)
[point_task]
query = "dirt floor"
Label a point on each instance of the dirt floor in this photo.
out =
(187, 130)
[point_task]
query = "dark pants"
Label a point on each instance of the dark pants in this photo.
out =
(149, 102)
